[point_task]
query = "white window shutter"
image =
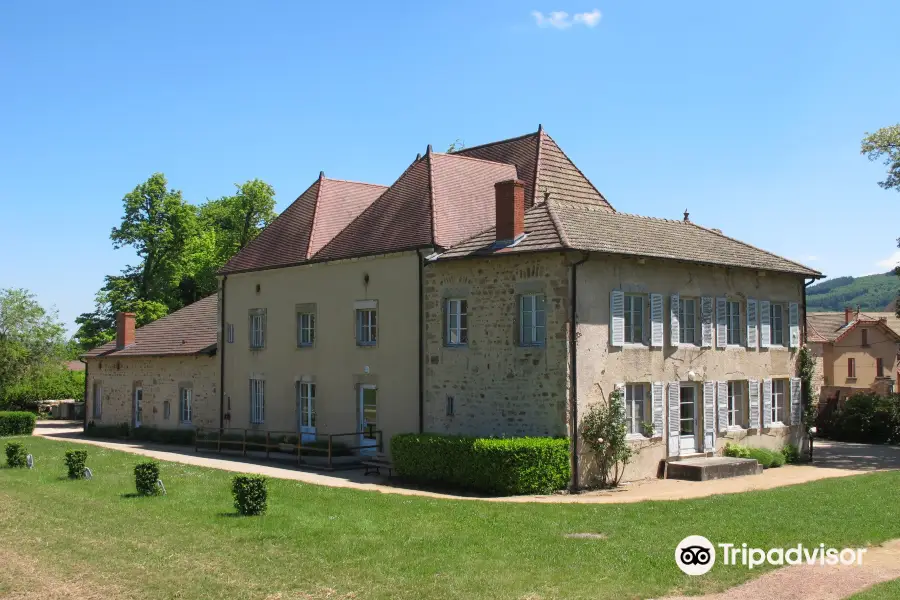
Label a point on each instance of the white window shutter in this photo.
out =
(753, 394)
(674, 418)
(767, 403)
(721, 324)
(675, 326)
(706, 316)
(617, 318)
(656, 393)
(765, 331)
(722, 399)
(795, 400)
(620, 387)
(752, 339)
(709, 416)
(794, 316)
(656, 321)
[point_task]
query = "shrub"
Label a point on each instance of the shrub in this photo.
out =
(75, 463)
(507, 466)
(145, 476)
(736, 450)
(604, 431)
(865, 417)
(44, 384)
(250, 494)
(114, 432)
(15, 454)
(766, 458)
(17, 423)
(123, 431)
(791, 453)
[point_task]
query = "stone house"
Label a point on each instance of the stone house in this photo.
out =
(495, 291)
(854, 351)
(164, 374)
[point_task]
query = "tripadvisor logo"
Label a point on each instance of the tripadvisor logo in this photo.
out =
(696, 555)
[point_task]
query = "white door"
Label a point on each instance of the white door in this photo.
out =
(138, 413)
(306, 411)
(688, 418)
(367, 419)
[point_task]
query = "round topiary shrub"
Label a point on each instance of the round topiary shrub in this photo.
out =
(146, 475)
(15, 454)
(75, 462)
(250, 494)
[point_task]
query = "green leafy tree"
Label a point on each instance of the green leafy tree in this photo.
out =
(31, 337)
(604, 431)
(884, 145)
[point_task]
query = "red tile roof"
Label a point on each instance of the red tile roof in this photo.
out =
(307, 225)
(831, 326)
(190, 330)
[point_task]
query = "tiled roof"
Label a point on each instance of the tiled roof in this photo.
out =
(583, 227)
(543, 167)
(830, 326)
(307, 225)
(441, 199)
(191, 330)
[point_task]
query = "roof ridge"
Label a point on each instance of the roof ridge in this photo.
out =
(354, 182)
(557, 224)
(719, 233)
(572, 162)
(598, 208)
(455, 155)
(507, 140)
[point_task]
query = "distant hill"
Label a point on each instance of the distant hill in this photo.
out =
(872, 293)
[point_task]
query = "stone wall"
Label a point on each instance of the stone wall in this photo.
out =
(498, 387)
(160, 378)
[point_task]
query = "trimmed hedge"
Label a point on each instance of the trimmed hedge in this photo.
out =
(250, 493)
(506, 467)
(17, 423)
(16, 456)
(75, 463)
(123, 431)
(145, 476)
(767, 458)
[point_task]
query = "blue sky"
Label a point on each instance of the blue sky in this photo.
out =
(748, 115)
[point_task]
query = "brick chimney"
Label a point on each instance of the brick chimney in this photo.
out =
(847, 314)
(124, 329)
(510, 199)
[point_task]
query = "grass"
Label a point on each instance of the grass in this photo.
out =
(320, 542)
(889, 590)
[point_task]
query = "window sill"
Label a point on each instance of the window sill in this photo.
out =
(257, 348)
(636, 437)
(851, 380)
(532, 346)
(455, 346)
(366, 344)
(735, 347)
(634, 346)
(777, 425)
(687, 346)
(775, 347)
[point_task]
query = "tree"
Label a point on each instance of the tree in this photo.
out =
(885, 144)
(239, 218)
(31, 338)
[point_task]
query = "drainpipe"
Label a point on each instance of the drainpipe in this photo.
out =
(223, 341)
(421, 341)
(86, 373)
(573, 365)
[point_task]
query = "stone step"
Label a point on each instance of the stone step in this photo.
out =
(707, 469)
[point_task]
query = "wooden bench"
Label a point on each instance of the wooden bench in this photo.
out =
(378, 462)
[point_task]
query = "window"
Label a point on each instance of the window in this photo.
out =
(634, 319)
(634, 408)
(778, 398)
(851, 368)
(257, 401)
(687, 321)
(865, 337)
(879, 367)
(97, 411)
(257, 328)
(306, 393)
(450, 406)
(186, 397)
(733, 320)
(366, 327)
(167, 410)
(735, 403)
(532, 320)
(306, 329)
(229, 332)
(457, 323)
(776, 323)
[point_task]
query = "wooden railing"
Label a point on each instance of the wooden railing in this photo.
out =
(329, 445)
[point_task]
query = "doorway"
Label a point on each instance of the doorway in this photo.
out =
(689, 419)
(368, 421)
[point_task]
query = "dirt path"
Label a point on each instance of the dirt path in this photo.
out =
(874, 458)
(807, 582)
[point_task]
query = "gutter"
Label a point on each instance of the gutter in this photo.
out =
(573, 366)
(222, 343)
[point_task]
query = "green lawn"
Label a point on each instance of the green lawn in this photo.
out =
(889, 590)
(319, 542)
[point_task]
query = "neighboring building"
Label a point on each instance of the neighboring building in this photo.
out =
(445, 303)
(164, 374)
(854, 351)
